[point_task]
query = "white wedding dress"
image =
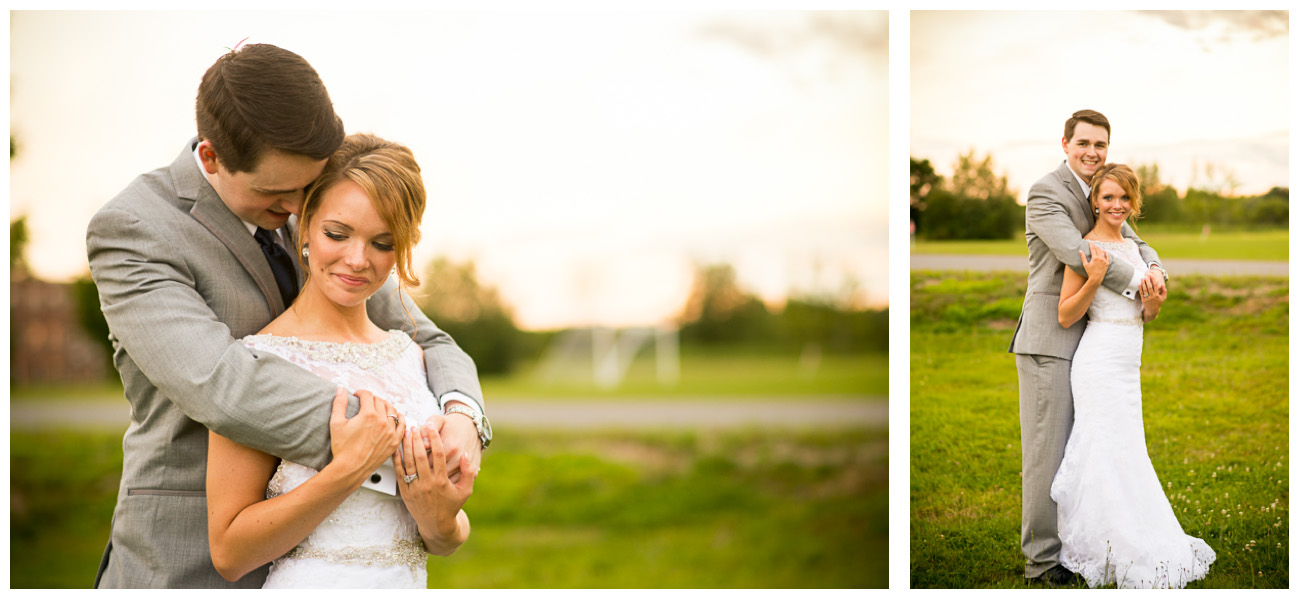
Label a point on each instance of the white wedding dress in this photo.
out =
(1115, 522)
(370, 540)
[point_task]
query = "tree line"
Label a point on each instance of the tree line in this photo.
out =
(719, 313)
(976, 203)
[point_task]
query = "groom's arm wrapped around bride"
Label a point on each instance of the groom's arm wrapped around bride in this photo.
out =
(175, 326)
(1047, 218)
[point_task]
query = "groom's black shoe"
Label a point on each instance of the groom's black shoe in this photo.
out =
(1058, 576)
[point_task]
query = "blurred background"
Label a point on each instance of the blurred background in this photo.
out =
(1198, 103)
(661, 236)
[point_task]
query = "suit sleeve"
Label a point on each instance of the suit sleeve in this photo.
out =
(449, 368)
(1148, 253)
(149, 298)
(1046, 216)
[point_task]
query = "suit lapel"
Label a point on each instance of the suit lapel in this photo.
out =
(1072, 184)
(210, 211)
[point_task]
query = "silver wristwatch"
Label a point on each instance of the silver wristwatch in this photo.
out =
(1162, 271)
(480, 421)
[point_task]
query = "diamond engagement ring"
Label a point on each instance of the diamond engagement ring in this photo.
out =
(409, 478)
(396, 422)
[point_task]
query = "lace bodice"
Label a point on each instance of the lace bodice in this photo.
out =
(370, 540)
(1111, 307)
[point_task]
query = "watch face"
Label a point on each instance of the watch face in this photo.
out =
(487, 431)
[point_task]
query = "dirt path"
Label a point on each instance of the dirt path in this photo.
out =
(636, 413)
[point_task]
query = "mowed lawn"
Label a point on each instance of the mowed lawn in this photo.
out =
(749, 508)
(1215, 386)
(1168, 241)
(593, 510)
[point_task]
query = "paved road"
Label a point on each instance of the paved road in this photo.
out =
(974, 262)
(864, 411)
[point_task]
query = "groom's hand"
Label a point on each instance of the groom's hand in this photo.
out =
(459, 436)
(1157, 279)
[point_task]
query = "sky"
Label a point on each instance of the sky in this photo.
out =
(585, 161)
(1182, 89)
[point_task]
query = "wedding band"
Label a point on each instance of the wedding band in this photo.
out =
(395, 421)
(409, 478)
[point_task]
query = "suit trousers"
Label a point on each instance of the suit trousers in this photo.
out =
(1046, 417)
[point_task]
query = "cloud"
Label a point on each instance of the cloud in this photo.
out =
(838, 37)
(1263, 24)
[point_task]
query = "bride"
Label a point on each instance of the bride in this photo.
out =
(323, 529)
(1116, 525)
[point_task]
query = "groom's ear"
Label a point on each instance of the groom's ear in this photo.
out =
(208, 156)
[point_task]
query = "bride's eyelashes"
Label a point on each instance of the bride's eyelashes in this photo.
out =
(381, 245)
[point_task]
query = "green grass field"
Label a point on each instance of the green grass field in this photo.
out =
(1168, 241)
(1215, 382)
(606, 510)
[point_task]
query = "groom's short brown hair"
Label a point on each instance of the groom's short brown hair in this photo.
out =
(1086, 116)
(262, 97)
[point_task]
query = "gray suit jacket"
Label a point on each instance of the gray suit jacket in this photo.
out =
(1057, 215)
(180, 282)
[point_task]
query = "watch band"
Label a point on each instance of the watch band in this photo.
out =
(1162, 271)
(480, 421)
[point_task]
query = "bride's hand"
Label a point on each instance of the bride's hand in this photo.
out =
(365, 441)
(1152, 295)
(433, 499)
(1096, 268)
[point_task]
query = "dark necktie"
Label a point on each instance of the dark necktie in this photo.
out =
(281, 266)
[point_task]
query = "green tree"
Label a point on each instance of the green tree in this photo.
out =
(718, 311)
(1203, 207)
(1160, 202)
(17, 244)
(817, 321)
(473, 314)
(975, 203)
(923, 181)
(1272, 208)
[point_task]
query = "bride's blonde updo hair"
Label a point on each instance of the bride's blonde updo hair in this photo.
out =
(1127, 180)
(389, 175)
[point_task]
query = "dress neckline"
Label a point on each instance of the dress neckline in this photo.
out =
(1121, 242)
(365, 355)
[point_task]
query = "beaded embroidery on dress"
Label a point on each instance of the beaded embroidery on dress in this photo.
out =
(370, 540)
(1115, 522)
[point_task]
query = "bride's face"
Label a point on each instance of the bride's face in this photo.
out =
(350, 246)
(1114, 202)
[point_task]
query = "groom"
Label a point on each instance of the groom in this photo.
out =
(192, 257)
(1057, 215)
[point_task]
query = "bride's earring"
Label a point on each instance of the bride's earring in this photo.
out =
(305, 252)
(1095, 211)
